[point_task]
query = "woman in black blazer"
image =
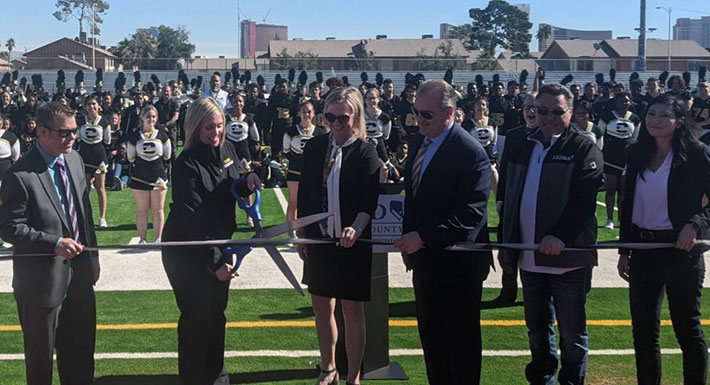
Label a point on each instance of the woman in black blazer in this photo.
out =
(340, 174)
(668, 173)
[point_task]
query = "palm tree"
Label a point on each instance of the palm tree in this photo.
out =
(544, 32)
(10, 46)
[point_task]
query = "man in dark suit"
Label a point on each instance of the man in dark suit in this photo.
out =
(447, 181)
(46, 214)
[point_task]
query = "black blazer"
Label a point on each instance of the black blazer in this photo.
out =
(32, 219)
(451, 202)
(687, 183)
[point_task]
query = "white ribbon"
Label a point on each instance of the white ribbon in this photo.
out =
(333, 187)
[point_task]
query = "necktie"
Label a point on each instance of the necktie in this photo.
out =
(71, 207)
(417, 166)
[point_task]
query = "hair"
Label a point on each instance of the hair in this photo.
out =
(26, 123)
(253, 85)
(306, 103)
(441, 89)
(351, 97)
(387, 81)
(313, 85)
(334, 82)
(703, 83)
(49, 112)
(239, 94)
(620, 95)
(681, 82)
(90, 98)
(555, 90)
(642, 150)
(201, 109)
(513, 83)
(586, 106)
(280, 81)
(652, 79)
(636, 83)
(590, 84)
(484, 100)
(147, 108)
(374, 89)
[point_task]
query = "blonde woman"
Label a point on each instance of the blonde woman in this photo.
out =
(348, 166)
(203, 208)
(148, 150)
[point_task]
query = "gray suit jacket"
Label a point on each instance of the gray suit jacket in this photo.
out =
(32, 219)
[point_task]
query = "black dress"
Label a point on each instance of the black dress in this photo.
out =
(93, 140)
(332, 271)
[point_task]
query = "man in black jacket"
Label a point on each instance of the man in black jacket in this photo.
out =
(447, 180)
(549, 190)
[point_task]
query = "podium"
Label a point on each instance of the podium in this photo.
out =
(386, 225)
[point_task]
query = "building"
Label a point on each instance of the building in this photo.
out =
(622, 55)
(693, 29)
(444, 30)
(523, 7)
(559, 33)
(368, 54)
(255, 38)
(68, 54)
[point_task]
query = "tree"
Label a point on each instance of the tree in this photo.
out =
(10, 46)
(500, 25)
(444, 58)
(299, 61)
(463, 33)
(81, 10)
(543, 33)
(163, 52)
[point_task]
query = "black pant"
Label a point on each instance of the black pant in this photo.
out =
(680, 276)
(202, 300)
(448, 302)
(69, 328)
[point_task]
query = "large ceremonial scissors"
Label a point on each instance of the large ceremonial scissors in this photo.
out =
(259, 232)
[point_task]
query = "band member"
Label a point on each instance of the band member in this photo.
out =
(93, 141)
(282, 108)
(701, 113)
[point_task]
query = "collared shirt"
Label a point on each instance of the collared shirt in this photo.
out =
(528, 206)
(433, 147)
(51, 162)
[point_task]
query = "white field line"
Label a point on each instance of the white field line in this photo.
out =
(602, 204)
(315, 353)
(282, 199)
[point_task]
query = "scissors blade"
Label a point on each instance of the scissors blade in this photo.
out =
(293, 225)
(283, 266)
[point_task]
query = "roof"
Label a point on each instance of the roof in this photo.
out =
(85, 46)
(510, 55)
(575, 48)
(379, 47)
(73, 62)
(658, 48)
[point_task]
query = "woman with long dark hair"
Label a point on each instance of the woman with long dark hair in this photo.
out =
(668, 174)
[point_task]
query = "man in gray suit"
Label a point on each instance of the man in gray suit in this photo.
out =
(46, 214)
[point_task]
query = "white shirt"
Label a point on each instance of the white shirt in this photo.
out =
(651, 198)
(220, 97)
(528, 210)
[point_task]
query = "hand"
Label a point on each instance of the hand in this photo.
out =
(410, 243)
(253, 182)
(302, 251)
(224, 273)
(348, 237)
(405, 260)
(623, 267)
(550, 245)
(68, 248)
(686, 238)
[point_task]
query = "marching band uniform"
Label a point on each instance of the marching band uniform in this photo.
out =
(618, 131)
(94, 138)
(294, 143)
(700, 112)
(242, 132)
(148, 154)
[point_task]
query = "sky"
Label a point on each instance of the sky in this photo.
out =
(213, 23)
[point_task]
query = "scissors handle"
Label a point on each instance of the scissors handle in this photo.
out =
(251, 210)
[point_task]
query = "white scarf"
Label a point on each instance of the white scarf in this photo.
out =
(333, 187)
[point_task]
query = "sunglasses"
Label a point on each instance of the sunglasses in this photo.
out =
(64, 133)
(544, 111)
(342, 119)
(428, 115)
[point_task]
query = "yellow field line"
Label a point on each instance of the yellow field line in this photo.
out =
(292, 324)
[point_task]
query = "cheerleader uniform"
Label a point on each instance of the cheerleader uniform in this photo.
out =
(294, 142)
(9, 151)
(148, 153)
(486, 134)
(592, 132)
(27, 141)
(242, 132)
(94, 138)
(378, 130)
(618, 131)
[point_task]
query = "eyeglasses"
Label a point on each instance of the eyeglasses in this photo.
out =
(342, 119)
(528, 108)
(64, 133)
(544, 111)
(428, 115)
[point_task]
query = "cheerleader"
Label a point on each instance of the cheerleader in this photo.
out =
(584, 123)
(620, 126)
(148, 150)
(485, 130)
(242, 132)
(9, 150)
(94, 138)
(378, 127)
(28, 135)
(294, 142)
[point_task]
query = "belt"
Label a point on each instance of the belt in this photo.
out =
(654, 235)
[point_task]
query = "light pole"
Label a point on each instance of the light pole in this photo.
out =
(93, 37)
(669, 10)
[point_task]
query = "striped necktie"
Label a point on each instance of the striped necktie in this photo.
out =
(71, 207)
(417, 166)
